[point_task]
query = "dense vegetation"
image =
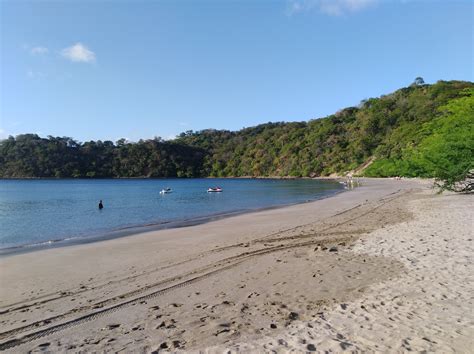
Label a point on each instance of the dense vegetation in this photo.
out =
(444, 148)
(421, 130)
(29, 155)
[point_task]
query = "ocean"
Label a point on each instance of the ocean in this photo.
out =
(44, 213)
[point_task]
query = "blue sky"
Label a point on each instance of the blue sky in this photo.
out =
(139, 69)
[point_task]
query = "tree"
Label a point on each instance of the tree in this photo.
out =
(448, 152)
(418, 81)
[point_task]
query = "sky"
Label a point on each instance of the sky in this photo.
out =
(140, 69)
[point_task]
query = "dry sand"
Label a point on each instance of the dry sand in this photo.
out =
(385, 267)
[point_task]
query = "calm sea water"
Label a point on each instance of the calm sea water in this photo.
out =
(44, 211)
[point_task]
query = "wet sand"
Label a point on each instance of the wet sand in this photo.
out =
(385, 267)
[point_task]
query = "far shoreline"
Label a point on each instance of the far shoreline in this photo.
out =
(161, 178)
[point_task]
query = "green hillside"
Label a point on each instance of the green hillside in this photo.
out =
(426, 122)
(421, 130)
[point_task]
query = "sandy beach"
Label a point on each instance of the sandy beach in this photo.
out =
(384, 267)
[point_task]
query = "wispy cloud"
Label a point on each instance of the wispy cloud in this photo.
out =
(35, 74)
(328, 7)
(39, 50)
(79, 53)
(4, 134)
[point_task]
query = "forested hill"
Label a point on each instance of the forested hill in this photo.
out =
(419, 130)
(416, 131)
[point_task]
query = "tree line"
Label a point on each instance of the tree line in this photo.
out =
(420, 130)
(29, 155)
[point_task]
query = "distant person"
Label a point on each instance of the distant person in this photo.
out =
(101, 206)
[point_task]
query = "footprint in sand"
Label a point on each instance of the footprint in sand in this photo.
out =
(175, 305)
(112, 326)
(168, 324)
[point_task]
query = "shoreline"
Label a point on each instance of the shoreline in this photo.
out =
(149, 227)
(269, 280)
(160, 178)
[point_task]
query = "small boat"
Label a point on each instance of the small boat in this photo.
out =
(166, 191)
(214, 189)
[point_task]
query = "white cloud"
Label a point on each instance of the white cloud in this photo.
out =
(328, 7)
(79, 53)
(39, 50)
(341, 7)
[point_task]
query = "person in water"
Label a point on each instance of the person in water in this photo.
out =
(101, 206)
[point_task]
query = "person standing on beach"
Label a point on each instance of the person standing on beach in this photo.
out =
(101, 206)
